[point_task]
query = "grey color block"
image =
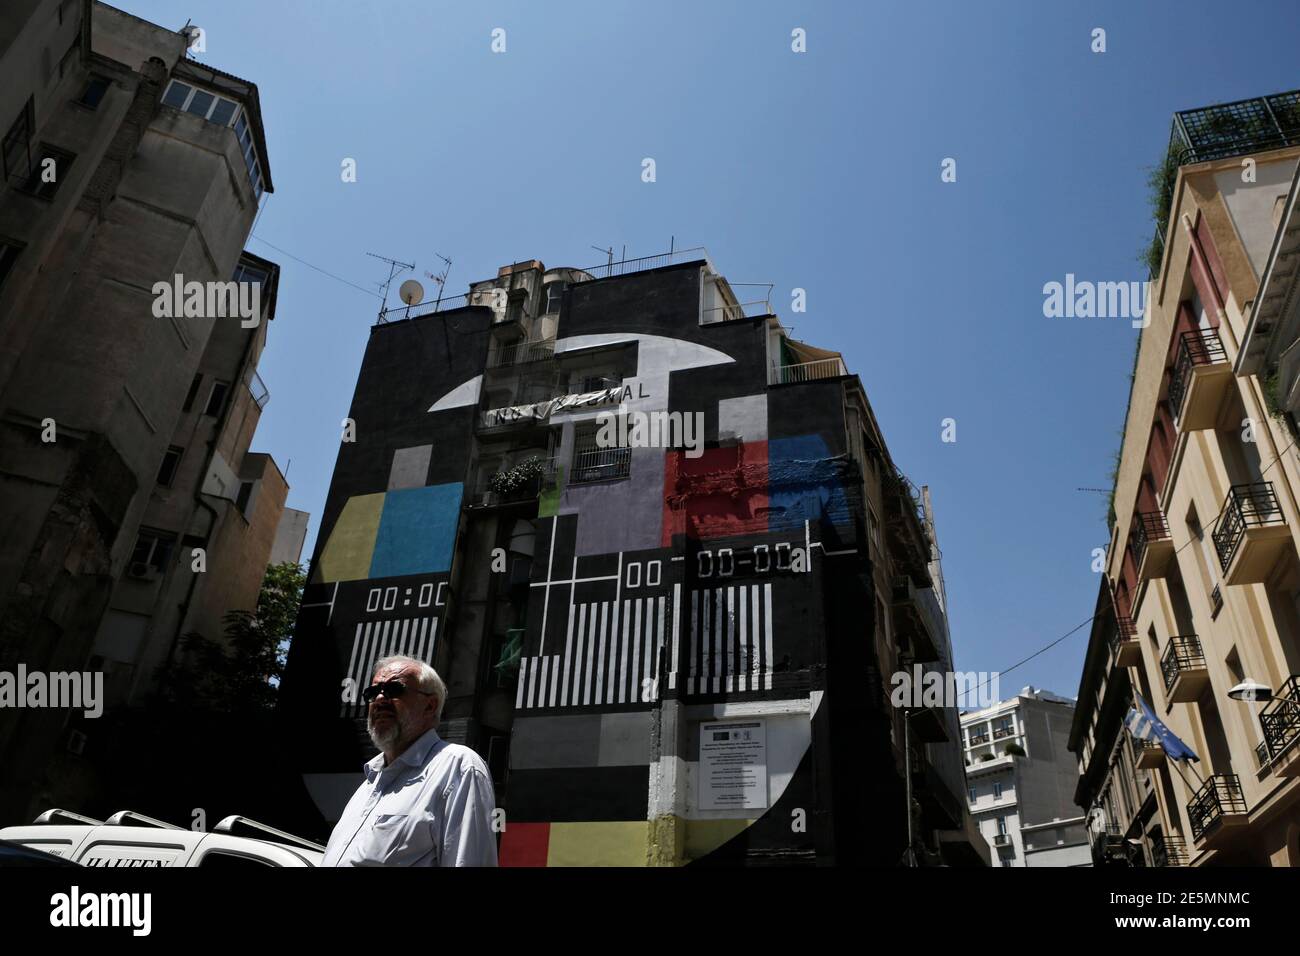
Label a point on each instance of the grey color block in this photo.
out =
(625, 739)
(743, 418)
(545, 743)
(410, 467)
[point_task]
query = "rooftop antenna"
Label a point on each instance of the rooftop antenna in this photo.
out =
(392, 271)
(441, 278)
(190, 32)
(609, 264)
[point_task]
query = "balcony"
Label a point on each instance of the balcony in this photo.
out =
(1236, 129)
(807, 371)
(1124, 643)
(977, 739)
(909, 544)
(1002, 840)
(1250, 534)
(1200, 377)
(1183, 667)
(1002, 732)
(1168, 851)
(1280, 720)
(1216, 807)
(1110, 848)
(1147, 755)
(519, 353)
(912, 619)
(495, 485)
(1151, 545)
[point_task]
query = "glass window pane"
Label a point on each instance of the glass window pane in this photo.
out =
(201, 103)
(240, 127)
(176, 94)
(222, 112)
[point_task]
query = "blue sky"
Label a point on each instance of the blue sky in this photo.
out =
(818, 170)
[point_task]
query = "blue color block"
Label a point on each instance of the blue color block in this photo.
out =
(417, 530)
(805, 482)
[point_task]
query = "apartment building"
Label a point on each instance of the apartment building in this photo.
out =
(669, 649)
(1203, 575)
(132, 511)
(1021, 778)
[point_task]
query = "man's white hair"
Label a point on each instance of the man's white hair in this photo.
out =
(426, 679)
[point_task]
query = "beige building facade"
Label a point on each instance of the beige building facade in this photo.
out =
(1203, 568)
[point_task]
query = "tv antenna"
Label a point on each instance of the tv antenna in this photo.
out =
(440, 278)
(393, 270)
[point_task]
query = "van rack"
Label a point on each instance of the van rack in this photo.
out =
(233, 825)
(236, 825)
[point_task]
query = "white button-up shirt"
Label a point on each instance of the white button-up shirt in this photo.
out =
(432, 806)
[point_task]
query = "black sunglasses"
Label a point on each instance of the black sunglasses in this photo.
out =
(389, 688)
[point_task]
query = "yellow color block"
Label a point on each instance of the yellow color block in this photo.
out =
(619, 843)
(705, 836)
(351, 544)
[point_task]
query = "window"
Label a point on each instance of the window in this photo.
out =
(9, 252)
(94, 92)
(1007, 861)
(1002, 826)
(17, 146)
(972, 794)
(216, 399)
(594, 463)
(192, 393)
(49, 171)
(554, 292)
(241, 499)
(997, 791)
(171, 461)
(177, 94)
(153, 549)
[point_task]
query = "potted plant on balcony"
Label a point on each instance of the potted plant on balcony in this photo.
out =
(524, 480)
(1014, 750)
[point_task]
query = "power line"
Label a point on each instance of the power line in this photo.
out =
(317, 268)
(1041, 650)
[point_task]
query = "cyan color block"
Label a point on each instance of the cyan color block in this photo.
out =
(417, 530)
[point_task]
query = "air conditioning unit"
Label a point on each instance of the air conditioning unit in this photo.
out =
(142, 570)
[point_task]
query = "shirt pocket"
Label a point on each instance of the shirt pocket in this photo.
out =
(395, 839)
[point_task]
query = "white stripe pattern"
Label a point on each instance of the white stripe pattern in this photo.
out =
(413, 636)
(730, 641)
(615, 654)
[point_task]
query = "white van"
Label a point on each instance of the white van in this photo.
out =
(132, 839)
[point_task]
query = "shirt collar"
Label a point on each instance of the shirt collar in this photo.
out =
(413, 756)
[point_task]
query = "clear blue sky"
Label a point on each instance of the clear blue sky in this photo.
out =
(817, 170)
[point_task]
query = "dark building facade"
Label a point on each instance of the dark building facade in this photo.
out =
(667, 655)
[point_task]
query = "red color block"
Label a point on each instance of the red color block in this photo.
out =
(724, 492)
(524, 844)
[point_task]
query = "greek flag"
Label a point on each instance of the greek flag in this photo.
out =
(1143, 724)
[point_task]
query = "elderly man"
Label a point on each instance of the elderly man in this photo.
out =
(424, 802)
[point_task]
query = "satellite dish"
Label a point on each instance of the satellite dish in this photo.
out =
(411, 292)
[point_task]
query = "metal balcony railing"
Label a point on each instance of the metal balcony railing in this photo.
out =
(807, 371)
(1182, 654)
(1280, 719)
(444, 304)
(1235, 129)
(517, 353)
(529, 472)
(742, 310)
(1148, 526)
(1220, 795)
(1001, 840)
(979, 739)
(1168, 851)
(1197, 347)
(1003, 732)
(1216, 601)
(628, 266)
(1248, 506)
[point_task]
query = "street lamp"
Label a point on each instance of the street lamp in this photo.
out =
(1251, 690)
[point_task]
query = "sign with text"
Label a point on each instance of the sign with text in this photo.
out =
(733, 766)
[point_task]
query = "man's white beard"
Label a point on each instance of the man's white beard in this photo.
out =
(389, 736)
